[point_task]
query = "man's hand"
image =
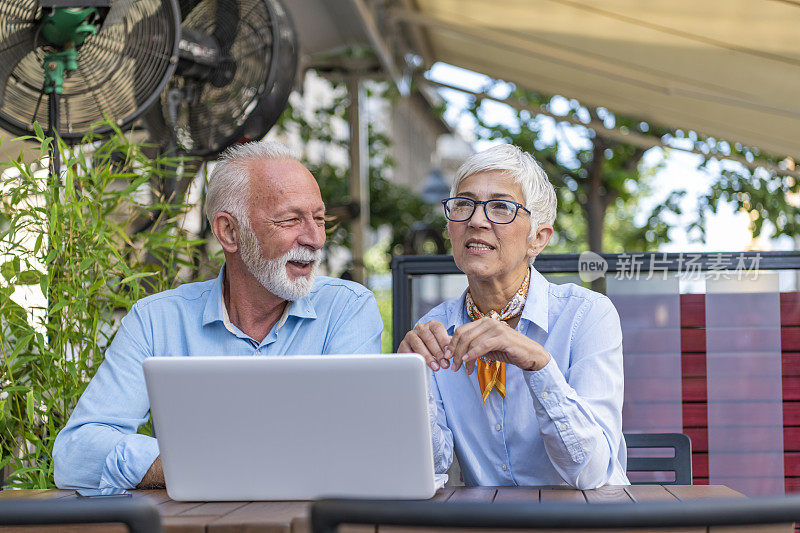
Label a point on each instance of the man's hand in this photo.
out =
(154, 478)
(496, 340)
(430, 340)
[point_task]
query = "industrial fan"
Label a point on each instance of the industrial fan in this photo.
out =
(91, 60)
(236, 70)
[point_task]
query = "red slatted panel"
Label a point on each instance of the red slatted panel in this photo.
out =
(693, 366)
(790, 341)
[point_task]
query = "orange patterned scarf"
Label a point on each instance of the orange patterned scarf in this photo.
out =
(492, 374)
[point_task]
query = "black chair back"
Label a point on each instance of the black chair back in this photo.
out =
(680, 463)
(327, 515)
(140, 515)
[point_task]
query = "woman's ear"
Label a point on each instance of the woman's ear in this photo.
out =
(540, 240)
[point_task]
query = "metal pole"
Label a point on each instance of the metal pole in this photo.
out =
(797, 273)
(52, 122)
(53, 320)
(359, 177)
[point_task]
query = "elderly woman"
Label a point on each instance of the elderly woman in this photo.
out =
(527, 374)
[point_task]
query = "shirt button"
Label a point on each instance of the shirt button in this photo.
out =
(498, 427)
(544, 395)
(562, 427)
(504, 467)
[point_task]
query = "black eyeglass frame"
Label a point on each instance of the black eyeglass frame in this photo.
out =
(476, 203)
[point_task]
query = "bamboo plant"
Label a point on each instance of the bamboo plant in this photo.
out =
(73, 260)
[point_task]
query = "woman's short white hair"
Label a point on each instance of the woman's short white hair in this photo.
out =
(538, 193)
(229, 185)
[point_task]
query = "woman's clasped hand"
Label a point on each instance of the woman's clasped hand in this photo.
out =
(492, 339)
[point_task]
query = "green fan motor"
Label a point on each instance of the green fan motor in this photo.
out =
(66, 28)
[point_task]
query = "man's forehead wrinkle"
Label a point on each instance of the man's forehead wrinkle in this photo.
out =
(282, 191)
(302, 210)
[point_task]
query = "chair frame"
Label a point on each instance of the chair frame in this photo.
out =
(404, 267)
(327, 515)
(139, 515)
(681, 463)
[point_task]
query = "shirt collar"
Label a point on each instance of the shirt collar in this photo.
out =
(537, 305)
(536, 310)
(215, 305)
(215, 310)
(302, 308)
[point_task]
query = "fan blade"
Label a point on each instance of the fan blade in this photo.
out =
(12, 51)
(199, 121)
(186, 7)
(249, 85)
(226, 24)
(116, 15)
(160, 132)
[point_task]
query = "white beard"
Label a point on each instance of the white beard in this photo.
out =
(271, 273)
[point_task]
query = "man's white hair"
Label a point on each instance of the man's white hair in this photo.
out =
(538, 193)
(229, 185)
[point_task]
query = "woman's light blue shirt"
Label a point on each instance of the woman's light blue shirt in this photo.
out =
(561, 424)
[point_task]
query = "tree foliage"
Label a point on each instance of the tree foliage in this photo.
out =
(599, 182)
(324, 131)
(769, 196)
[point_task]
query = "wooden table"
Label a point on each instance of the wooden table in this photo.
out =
(292, 517)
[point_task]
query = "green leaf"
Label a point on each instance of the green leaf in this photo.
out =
(69, 185)
(9, 269)
(29, 277)
(43, 284)
(38, 245)
(21, 360)
(86, 263)
(96, 285)
(137, 276)
(29, 407)
(50, 256)
(58, 306)
(22, 344)
(15, 388)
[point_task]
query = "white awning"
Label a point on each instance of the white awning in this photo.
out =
(725, 68)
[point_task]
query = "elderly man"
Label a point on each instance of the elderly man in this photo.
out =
(266, 211)
(534, 391)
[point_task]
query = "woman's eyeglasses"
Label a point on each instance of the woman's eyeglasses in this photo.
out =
(461, 209)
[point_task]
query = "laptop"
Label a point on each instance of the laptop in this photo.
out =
(292, 427)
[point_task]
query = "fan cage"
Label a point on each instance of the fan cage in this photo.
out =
(122, 70)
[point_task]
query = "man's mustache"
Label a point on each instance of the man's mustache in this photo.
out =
(303, 254)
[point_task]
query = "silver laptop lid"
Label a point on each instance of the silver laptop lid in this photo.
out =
(292, 427)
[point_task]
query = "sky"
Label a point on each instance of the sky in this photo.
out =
(726, 230)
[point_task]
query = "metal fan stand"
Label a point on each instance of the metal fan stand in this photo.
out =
(67, 29)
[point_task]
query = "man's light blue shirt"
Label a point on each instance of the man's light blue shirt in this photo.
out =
(99, 446)
(561, 424)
